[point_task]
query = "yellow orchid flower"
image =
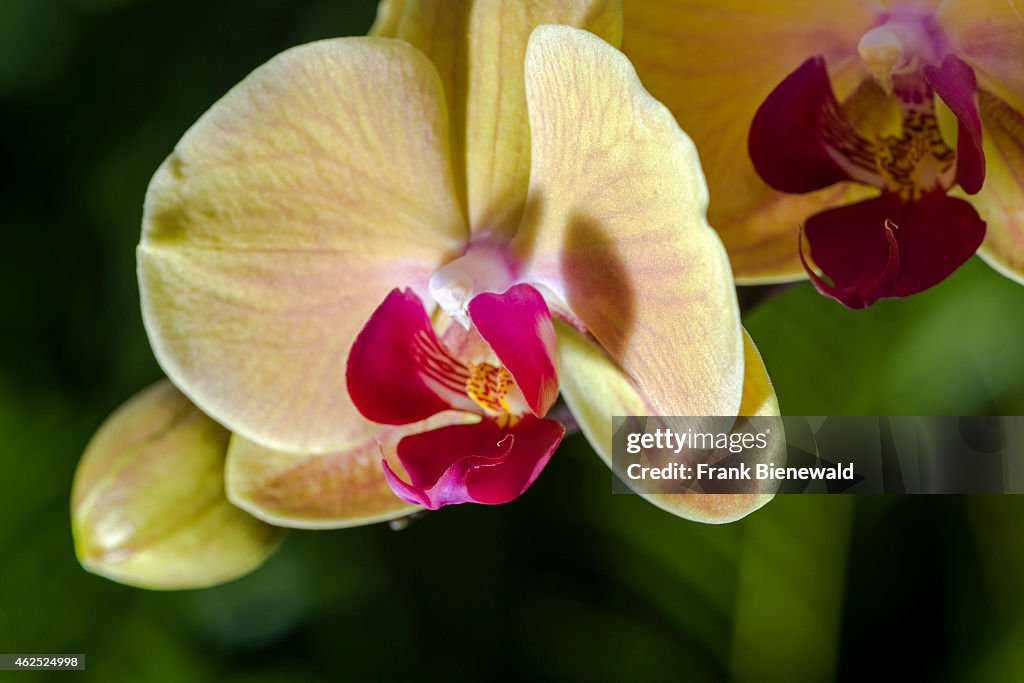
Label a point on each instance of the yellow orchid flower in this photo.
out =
(803, 111)
(378, 260)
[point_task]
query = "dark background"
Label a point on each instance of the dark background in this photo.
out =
(568, 582)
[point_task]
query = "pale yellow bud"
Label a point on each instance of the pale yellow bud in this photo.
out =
(148, 506)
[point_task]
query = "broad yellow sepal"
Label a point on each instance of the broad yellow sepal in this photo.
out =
(281, 220)
(478, 48)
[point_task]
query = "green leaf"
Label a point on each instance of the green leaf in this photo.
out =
(790, 594)
(953, 350)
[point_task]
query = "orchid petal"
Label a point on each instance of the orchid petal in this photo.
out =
(786, 142)
(712, 63)
(389, 14)
(517, 325)
(478, 48)
(616, 228)
(856, 247)
(398, 372)
(1001, 200)
(595, 389)
(954, 82)
(884, 247)
(148, 505)
(801, 140)
(989, 36)
(869, 285)
(479, 463)
(440, 461)
(758, 401)
(938, 234)
(535, 441)
(284, 215)
(323, 491)
(759, 398)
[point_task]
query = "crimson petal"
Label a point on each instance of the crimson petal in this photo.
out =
(398, 372)
(791, 131)
(955, 83)
(478, 463)
(853, 248)
(853, 288)
(884, 247)
(936, 234)
(535, 442)
(517, 326)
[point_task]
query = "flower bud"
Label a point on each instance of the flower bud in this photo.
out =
(148, 506)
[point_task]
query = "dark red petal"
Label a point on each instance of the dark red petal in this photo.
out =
(884, 247)
(397, 371)
(853, 248)
(518, 327)
(787, 140)
(478, 463)
(937, 234)
(857, 296)
(955, 83)
(428, 455)
(535, 442)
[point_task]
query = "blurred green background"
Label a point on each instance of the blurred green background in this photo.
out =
(567, 583)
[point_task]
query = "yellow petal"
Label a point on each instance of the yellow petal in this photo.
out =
(595, 389)
(615, 227)
(712, 63)
(989, 35)
(283, 217)
(1001, 200)
(148, 505)
(478, 48)
(758, 400)
(326, 491)
(389, 14)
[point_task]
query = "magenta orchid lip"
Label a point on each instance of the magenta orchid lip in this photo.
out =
(501, 369)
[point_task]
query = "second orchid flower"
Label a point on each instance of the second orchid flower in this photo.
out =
(889, 132)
